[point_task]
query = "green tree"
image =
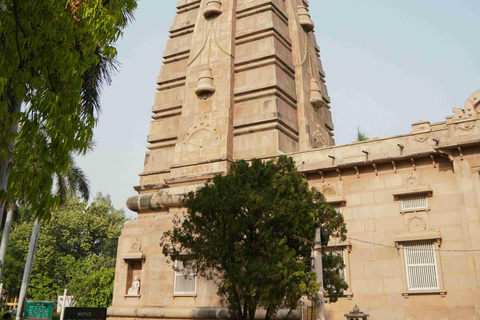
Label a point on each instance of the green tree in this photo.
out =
(75, 249)
(54, 58)
(244, 230)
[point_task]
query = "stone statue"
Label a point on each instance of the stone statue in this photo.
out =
(135, 288)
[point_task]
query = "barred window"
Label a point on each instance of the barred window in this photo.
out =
(414, 202)
(337, 207)
(421, 266)
(185, 279)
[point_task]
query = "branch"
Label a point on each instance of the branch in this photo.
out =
(17, 26)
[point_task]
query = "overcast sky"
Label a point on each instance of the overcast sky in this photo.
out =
(388, 64)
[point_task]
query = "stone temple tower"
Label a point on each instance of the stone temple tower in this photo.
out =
(240, 79)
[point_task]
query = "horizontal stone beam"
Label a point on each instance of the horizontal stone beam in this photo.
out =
(163, 199)
(185, 313)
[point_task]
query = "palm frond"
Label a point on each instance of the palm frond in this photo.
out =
(78, 182)
(128, 16)
(61, 187)
(94, 81)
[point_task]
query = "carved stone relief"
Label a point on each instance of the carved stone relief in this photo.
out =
(416, 224)
(318, 140)
(136, 246)
(202, 138)
(328, 190)
(134, 290)
(411, 180)
(421, 138)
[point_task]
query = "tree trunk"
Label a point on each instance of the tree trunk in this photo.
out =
(3, 185)
(28, 270)
(15, 108)
(5, 236)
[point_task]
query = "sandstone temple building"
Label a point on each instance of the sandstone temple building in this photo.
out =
(242, 79)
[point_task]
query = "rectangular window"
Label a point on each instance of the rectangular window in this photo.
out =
(414, 202)
(421, 266)
(337, 207)
(343, 252)
(185, 279)
(340, 252)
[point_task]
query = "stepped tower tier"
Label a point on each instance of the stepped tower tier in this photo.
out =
(240, 79)
(265, 93)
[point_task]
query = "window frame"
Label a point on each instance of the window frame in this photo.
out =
(401, 193)
(410, 253)
(346, 248)
(436, 242)
(177, 273)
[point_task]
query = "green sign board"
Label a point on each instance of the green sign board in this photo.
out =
(38, 310)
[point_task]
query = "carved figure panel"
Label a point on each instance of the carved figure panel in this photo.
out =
(134, 289)
(136, 246)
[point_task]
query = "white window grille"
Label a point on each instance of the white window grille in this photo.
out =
(421, 265)
(185, 279)
(414, 202)
(337, 207)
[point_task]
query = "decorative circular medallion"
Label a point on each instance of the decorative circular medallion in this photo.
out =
(202, 139)
(411, 180)
(416, 224)
(328, 190)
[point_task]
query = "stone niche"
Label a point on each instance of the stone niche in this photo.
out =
(134, 261)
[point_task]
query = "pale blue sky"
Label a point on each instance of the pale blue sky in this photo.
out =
(388, 64)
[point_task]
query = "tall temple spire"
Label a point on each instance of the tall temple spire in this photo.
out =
(240, 79)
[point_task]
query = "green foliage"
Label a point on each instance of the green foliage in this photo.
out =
(95, 288)
(76, 249)
(361, 136)
(333, 280)
(242, 229)
(54, 58)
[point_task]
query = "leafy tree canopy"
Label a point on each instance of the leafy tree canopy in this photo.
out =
(54, 57)
(76, 250)
(244, 230)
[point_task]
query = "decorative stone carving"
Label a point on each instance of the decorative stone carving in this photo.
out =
(473, 103)
(416, 224)
(411, 181)
(134, 290)
(328, 191)
(305, 20)
(421, 138)
(205, 86)
(318, 140)
(213, 8)
(316, 97)
(464, 118)
(136, 246)
(462, 114)
(201, 138)
(466, 126)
